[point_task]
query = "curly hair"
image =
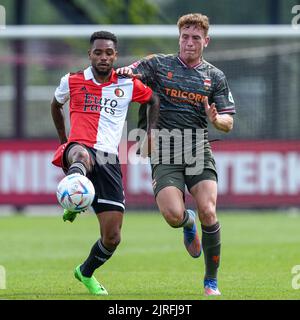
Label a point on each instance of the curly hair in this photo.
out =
(103, 35)
(196, 19)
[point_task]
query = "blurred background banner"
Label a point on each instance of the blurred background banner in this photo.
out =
(27, 175)
(255, 43)
(251, 174)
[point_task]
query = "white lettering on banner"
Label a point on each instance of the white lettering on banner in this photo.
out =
(224, 161)
(270, 173)
(35, 175)
(258, 173)
(13, 172)
(52, 174)
(243, 174)
(293, 173)
(240, 173)
(28, 172)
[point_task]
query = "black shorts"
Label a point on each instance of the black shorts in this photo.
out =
(106, 177)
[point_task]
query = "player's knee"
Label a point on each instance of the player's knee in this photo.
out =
(207, 214)
(112, 240)
(173, 216)
(82, 155)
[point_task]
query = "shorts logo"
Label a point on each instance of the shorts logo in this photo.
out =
(119, 92)
(153, 183)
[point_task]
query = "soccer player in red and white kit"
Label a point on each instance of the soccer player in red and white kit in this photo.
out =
(98, 100)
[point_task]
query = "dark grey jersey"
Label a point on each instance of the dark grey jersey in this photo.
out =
(181, 89)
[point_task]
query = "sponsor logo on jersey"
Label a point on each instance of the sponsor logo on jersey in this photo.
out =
(170, 75)
(119, 92)
(191, 97)
(97, 104)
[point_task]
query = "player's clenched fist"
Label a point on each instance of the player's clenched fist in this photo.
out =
(210, 110)
(127, 72)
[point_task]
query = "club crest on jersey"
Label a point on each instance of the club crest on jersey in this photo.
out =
(119, 92)
(207, 83)
(170, 75)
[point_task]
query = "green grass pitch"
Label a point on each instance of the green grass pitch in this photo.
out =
(258, 254)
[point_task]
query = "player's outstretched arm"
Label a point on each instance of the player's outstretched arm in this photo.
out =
(148, 144)
(222, 122)
(153, 112)
(126, 71)
(59, 120)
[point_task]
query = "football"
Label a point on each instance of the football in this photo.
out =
(75, 192)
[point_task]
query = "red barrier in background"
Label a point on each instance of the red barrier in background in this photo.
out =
(26, 173)
(258, 173)
(251, 174)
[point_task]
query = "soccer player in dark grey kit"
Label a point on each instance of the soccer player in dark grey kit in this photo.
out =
(192, 92)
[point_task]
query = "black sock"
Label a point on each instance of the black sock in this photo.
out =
(77, 167)
(98, 256)
(211, 244)
(188, 220)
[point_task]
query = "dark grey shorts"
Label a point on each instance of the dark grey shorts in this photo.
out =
(165, 175)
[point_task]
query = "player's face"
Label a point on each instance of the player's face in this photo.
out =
(102, 55)
(192, 41)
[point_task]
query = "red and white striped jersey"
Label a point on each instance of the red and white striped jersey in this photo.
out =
(98, 110)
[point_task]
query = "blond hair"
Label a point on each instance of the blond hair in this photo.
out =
(196, 19)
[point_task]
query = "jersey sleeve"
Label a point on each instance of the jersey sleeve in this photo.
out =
(62, 92)
(146, 67)
(141, 93)
(222, 97)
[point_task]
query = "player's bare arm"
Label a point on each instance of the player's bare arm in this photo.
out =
(152, 117)
(222, 122)
(153, 112)
(59, 120)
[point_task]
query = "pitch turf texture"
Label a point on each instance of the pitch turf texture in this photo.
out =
(258, 254)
